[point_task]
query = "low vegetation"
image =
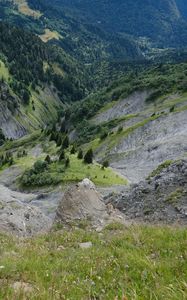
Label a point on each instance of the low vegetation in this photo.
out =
(136, 262)
(160, 168)
(175, 196)
(67, 170)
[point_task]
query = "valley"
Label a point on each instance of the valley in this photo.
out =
(93, 149)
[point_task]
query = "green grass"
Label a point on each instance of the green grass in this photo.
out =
(135, 263)
(75, 172)
(159, 169)
(4, 71)
(78, 170)
(28, 140)
(175, 196)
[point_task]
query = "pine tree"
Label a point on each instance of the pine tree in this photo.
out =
(67, 162)
(105, 164)
(88, 158)
(65, 143)
(48, 159)
(80, 154)
(59, 141)
(73, 150)
(62, 155)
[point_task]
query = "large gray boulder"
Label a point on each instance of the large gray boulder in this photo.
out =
(83, 202)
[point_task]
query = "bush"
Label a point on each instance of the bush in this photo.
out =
(172, 109)
(39, 166)
(103, 135)
(120, 129)
(42, 179)
(105, 164)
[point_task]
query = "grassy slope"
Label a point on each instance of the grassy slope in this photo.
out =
(76, 171)
(45, 102)
(141, 263)
(3, 71)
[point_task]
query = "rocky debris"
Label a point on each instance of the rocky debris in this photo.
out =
(85, 245)
(45, 199)
(149, 144)
(133, 104)
(20, 219)
(82, 202)
(162, 198)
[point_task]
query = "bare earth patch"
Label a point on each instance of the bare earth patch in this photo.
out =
(24, 8)
(49, 35)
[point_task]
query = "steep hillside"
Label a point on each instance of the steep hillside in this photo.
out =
(36, 81)
(54, 24)
(161, 21)
(136, 123)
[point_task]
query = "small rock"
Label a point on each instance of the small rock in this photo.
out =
(86, 245)
(87, 184)
(61, 248)
(2, 267)
(22, 286)
(99, 229)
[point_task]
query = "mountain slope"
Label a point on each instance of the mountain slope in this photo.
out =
(161, 21)
(136, 123)
(36, 81)
(83, 41)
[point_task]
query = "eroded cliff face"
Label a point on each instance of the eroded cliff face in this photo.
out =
(18, 119)
(156, 133)
(10, 113)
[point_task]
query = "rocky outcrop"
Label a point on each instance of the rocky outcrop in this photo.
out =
(19, 218)
(83, 203)
(162, 198)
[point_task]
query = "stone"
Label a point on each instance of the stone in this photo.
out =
(85, 245)
(22, 286)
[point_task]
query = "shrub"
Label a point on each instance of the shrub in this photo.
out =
(172, 109)
(39, 166)
(120, 129)
(105, 164)
(103, 135)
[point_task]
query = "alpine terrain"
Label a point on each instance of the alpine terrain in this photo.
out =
(93, 149)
